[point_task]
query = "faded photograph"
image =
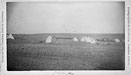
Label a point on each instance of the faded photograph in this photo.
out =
(65, 36)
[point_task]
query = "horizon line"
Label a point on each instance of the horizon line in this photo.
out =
(66, 33)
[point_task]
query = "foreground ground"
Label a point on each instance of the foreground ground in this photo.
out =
(28, 55)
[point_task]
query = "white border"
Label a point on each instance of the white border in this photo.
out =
(3, 45)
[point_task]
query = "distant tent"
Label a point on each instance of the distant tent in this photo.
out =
(117, 40)
(89, 40)
(86, 39)
(75, 39)
(93, 41)
(10, 36)
(82, 39)
(49, 39)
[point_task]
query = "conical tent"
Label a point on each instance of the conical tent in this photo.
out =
(82, 39)
(117, 40)
(75, 39)
(92, 40)
(88, 39)
(49, 39)
(10, 36)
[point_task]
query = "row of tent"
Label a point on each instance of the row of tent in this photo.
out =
(82, 39)
(50, 38)
(75, 39)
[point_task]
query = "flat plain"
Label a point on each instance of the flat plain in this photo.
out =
(30, 52)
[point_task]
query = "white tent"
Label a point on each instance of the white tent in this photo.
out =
(75, 39)
(86, 39)
(89, 40)
(117, 40)
(93, 41)
(49, 39)
(10, 36)
(83, 39)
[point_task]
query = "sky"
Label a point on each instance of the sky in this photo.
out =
(68, 17)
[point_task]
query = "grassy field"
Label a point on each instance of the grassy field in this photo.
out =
(30, 52)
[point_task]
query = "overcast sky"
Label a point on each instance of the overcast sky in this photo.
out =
(69, 17)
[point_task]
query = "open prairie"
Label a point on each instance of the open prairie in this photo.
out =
(30, 52)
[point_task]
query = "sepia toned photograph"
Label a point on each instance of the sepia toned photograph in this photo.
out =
(51, 36)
